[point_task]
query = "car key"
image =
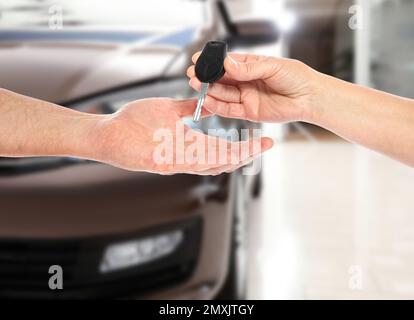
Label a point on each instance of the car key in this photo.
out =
(208, 69)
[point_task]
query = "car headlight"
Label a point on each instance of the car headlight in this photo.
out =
(177, 88)
(110, 102)
(137, 252)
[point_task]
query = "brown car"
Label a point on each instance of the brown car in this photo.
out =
(117, 234)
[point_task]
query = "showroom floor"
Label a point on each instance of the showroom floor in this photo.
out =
(335, 221)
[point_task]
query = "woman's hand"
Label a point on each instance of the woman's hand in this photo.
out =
(270, 89)
(139, 134)
(261, 88)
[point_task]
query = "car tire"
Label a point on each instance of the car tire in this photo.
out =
(234, 287)
(257, 186)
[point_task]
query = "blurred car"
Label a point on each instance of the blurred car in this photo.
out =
(117, 234)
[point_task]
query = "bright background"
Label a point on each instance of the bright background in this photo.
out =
(335, 220)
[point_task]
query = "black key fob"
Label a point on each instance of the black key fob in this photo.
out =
(209, 67)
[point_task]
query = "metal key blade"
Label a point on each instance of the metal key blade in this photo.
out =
(201, 97)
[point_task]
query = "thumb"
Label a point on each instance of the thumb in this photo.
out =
(250, 70)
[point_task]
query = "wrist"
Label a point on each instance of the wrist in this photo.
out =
(319, 98)
(308, 90)
(80, 136)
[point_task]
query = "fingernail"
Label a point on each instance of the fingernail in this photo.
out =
(267, 143)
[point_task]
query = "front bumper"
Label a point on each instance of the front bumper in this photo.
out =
(75, 211)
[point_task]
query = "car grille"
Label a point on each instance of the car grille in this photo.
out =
(24, 266)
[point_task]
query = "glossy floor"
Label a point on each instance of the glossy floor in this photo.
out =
(335, 221)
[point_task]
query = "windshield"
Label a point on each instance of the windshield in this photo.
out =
(153, 15)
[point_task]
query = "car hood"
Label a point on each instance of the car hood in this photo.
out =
(59, 66)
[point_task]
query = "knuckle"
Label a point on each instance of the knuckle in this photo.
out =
(247, 67)
(226, 109)
(296, 63)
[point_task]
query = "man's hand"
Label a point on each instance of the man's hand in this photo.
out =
(260, 88)
(144, 135)
(126, 139)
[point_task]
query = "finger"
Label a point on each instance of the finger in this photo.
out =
(227, 168)
(251, 67)
(235, 153)
(226, 109)
(251, 148)
(241, 57)
(265, 144)
(245, 57)
(215, 170)
(186, 107)
(191, 71)
(224, 80)
(220, 91)
(195, 56)
(228, 156)
(244, 67)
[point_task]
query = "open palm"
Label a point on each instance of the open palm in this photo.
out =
(143, 136)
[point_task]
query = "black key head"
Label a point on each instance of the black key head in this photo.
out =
(209, 67)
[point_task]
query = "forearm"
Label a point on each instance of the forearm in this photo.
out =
(372, 118)
(31, 127)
